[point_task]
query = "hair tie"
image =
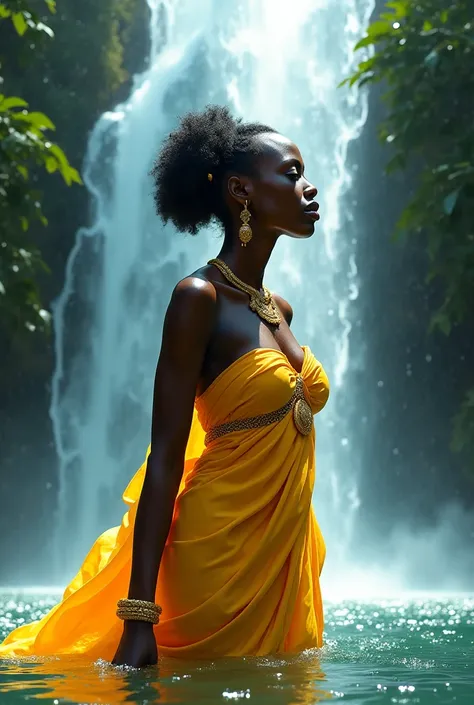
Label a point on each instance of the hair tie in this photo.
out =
(210, 177)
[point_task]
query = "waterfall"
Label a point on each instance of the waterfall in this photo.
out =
(273, 61)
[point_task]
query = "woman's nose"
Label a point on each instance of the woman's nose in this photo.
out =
(310, 191)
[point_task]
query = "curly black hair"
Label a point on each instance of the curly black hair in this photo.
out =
(211, 141)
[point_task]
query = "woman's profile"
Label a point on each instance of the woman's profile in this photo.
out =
(219, 552)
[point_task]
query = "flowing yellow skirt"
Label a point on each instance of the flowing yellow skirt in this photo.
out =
(240, 570)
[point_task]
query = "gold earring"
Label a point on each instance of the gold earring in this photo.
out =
(245, 232)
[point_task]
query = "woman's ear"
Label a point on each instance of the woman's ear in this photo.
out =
(240, 189)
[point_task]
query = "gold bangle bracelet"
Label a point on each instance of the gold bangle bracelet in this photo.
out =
(138, 610)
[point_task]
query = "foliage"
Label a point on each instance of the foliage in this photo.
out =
(85, 71)
(424, 52)
(23, 19)
(24, 146)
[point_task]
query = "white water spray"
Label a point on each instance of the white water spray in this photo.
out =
(273, 61)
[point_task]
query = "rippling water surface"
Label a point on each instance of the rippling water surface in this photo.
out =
(404, 651)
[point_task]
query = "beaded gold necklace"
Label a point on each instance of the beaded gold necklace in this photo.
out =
(260, 301)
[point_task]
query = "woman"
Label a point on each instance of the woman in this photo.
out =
(220, 531)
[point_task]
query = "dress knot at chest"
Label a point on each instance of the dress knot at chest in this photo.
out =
(302, 416)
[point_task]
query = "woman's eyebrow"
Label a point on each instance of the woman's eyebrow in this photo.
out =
(293, 162)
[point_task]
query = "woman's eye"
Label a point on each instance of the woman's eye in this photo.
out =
(293, 175)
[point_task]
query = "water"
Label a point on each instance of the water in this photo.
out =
(406, 651)
(271, 60)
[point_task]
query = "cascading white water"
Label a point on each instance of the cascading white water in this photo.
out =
(273, 61)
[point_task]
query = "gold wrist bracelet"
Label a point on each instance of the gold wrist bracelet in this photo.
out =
(138, 611)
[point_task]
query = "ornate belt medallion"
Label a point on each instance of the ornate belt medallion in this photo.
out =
(302, 417)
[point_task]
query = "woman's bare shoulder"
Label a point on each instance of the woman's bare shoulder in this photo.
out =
(193, 293)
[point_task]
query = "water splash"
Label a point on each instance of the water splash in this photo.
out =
(273, 61)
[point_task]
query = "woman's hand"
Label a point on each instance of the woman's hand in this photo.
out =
(137, 646)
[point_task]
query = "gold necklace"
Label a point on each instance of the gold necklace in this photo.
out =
(260, 302)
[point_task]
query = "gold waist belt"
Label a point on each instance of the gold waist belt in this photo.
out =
(302, 416)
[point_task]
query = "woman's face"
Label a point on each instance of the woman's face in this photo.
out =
(281, 198)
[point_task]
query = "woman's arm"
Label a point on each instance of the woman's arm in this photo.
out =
(187, 329)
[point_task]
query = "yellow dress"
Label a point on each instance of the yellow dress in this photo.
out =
(240, 570)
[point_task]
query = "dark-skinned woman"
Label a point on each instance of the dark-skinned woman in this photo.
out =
(219, 553)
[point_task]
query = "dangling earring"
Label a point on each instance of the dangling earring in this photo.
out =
(245, 232)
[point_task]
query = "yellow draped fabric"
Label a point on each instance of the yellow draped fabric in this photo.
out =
(240, 570)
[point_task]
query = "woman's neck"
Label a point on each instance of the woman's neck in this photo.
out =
(248, 263)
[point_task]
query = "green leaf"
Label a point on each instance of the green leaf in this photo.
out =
(366, 65)
(427, 25)
(19, 22)
(35, 119)
(4, 12)
(379, 28)
(75, 176)
(449, 202)
(22, 170)
(68, 173)
(41, 121)
(51, 5)
(369, 78)
(51, 165)
(24, 223)
(12, 102)
(400, 8)
(59, 154)
(444, 16)
(364, 42)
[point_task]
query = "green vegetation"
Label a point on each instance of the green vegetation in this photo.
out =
(24, 146)
(424, 54)
(69, 60)
(72, 79)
